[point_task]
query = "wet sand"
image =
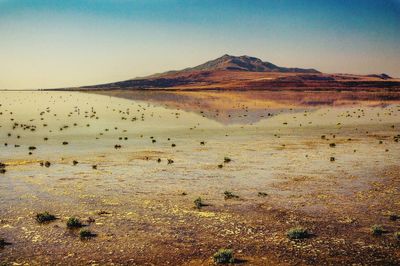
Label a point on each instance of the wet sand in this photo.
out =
(142, 209)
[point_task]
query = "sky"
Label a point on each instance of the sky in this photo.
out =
(59, 43)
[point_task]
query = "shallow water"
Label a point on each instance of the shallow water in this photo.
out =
(267, 143)
(273, 146)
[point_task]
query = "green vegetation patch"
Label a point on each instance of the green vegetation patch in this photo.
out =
(199, 203)
(377, 230)
(86, 234)
(74, 223)
(45, 217)
(224, 256)
(298, 233)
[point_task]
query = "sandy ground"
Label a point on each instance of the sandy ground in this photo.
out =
(142, 211)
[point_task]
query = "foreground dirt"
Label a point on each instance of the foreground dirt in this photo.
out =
(168, 230)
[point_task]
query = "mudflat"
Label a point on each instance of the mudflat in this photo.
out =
(169, 178)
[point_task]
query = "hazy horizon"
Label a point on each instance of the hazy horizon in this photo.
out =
(48, 44)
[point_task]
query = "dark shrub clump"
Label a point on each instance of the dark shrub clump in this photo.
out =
(74, 223)
(2, 242)
(224, 256)
(45, 217)
(230, 195)
(85, 234)
(298, 233)
(199, 203)
(377, 230)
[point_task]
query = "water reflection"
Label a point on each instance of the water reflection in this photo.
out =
(244, 107)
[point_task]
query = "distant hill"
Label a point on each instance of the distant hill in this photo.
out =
(244, 73)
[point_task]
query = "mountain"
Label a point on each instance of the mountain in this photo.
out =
(245, 73)
(235, 63)
(245, 63)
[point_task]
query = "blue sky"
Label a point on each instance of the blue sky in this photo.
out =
(58, 43)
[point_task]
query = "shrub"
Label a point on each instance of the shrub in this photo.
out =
(45, 217)
(85, 234)
(298, 233)
(223, 256)
(199, 203)
(377, 230)
(74, 222)
(230, 195)
(262, 194)
(227, 160)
